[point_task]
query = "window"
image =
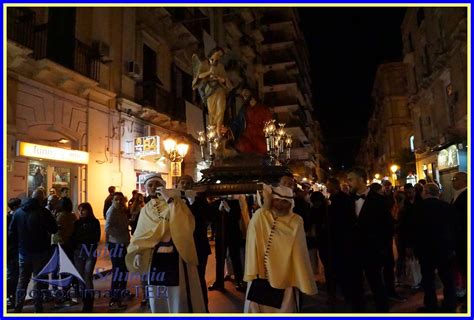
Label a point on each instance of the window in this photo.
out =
(420, 16)
(412, 143)
(149, 64)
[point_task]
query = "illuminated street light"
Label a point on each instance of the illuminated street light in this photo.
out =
(175, 153)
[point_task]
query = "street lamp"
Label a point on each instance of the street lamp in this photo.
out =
(377, 176)
(175, 153)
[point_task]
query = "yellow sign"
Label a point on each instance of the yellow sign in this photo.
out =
(38, 151)
(176, 169)
(145, 146)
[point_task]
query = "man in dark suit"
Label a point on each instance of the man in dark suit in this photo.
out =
(341, 221)
(459, 201)
(200, 210)
(372, 232)
(228, 236)
(435, 247)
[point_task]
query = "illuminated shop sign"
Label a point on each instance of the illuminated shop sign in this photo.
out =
(448, 158)
(38, 151)
(146, 146)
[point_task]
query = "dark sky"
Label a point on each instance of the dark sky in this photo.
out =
(346, 45)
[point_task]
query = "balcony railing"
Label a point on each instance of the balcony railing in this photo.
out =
(150, 94)
(21, 26)
(85, 61)
(281, 77)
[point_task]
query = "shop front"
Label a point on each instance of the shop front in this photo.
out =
(450, 161)
(441, 165)
(149, 160)
(55, 169)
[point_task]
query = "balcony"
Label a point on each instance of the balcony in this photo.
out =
(276, 36)
(284, 76)
(21, 26)
(78, 56)
(81, 58)
(151, 95)
(277, 15)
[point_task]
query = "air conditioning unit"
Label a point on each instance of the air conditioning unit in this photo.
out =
(132, 69)
(101, 50)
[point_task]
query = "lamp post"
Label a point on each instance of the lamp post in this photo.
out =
(175, 153)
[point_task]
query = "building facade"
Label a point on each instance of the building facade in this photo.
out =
(286, 88)
(390, 129)
(435, 51)
(111, 84)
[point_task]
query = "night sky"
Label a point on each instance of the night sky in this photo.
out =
(346, 45)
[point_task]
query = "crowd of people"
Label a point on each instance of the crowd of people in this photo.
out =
(269, 244)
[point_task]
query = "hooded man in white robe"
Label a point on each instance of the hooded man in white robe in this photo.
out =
(165, 227)
(276, 251)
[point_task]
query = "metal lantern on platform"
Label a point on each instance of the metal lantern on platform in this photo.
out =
(211, 140)
(278, 142)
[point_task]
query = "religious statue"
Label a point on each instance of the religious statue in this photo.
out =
(247, 127)
(211, 80)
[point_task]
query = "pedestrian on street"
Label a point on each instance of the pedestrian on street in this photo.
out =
(108, 200)
(228, 237)
(132, 198)
(372, 234)
(277, 264)
(341, 219)
(324, 241)
(435, 245)
(31, 229)
(117, 238)
(64, 192)
(12, 255)
(85, 239)
(136, 206)
(52, 204)
(200, 210)
(459, 201)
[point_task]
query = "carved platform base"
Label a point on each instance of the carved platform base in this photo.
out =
(239, 177)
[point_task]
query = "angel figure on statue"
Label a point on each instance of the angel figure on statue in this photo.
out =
(210, 78)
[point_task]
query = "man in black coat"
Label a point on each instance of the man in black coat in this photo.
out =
(200, 210)
(12, 255)
(341, 219)
(228, 236)
(31, 229)
(435, 246)
(372, 232)
(459, 202)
